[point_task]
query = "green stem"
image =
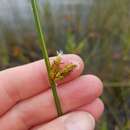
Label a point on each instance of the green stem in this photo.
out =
(36, 13)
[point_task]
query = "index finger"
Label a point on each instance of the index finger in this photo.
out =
(22, 82)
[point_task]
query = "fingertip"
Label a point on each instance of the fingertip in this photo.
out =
(96, 108)
(95, 83)
(101, 105)
(79, 121)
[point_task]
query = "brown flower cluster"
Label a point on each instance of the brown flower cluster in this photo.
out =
(58, 73)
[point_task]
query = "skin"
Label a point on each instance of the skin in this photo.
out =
(26, 101)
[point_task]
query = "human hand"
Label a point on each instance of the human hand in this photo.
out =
(26, 101)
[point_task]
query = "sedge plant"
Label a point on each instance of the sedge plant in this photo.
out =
(55, 72)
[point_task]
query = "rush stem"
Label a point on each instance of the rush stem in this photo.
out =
(41, 37)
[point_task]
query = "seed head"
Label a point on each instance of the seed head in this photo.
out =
(58, 73)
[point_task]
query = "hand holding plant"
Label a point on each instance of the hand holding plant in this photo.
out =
(26, 101)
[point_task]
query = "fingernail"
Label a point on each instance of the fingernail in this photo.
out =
(79, 121)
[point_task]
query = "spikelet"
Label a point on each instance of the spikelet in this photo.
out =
(58, 73)
(55, 67)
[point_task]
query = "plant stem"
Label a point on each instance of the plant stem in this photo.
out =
(36, 13)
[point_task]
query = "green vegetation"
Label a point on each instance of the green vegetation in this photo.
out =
(100, 34)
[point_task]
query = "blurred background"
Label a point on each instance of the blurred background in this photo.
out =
(97, 30)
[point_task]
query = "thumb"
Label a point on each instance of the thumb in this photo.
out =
(72, 121)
